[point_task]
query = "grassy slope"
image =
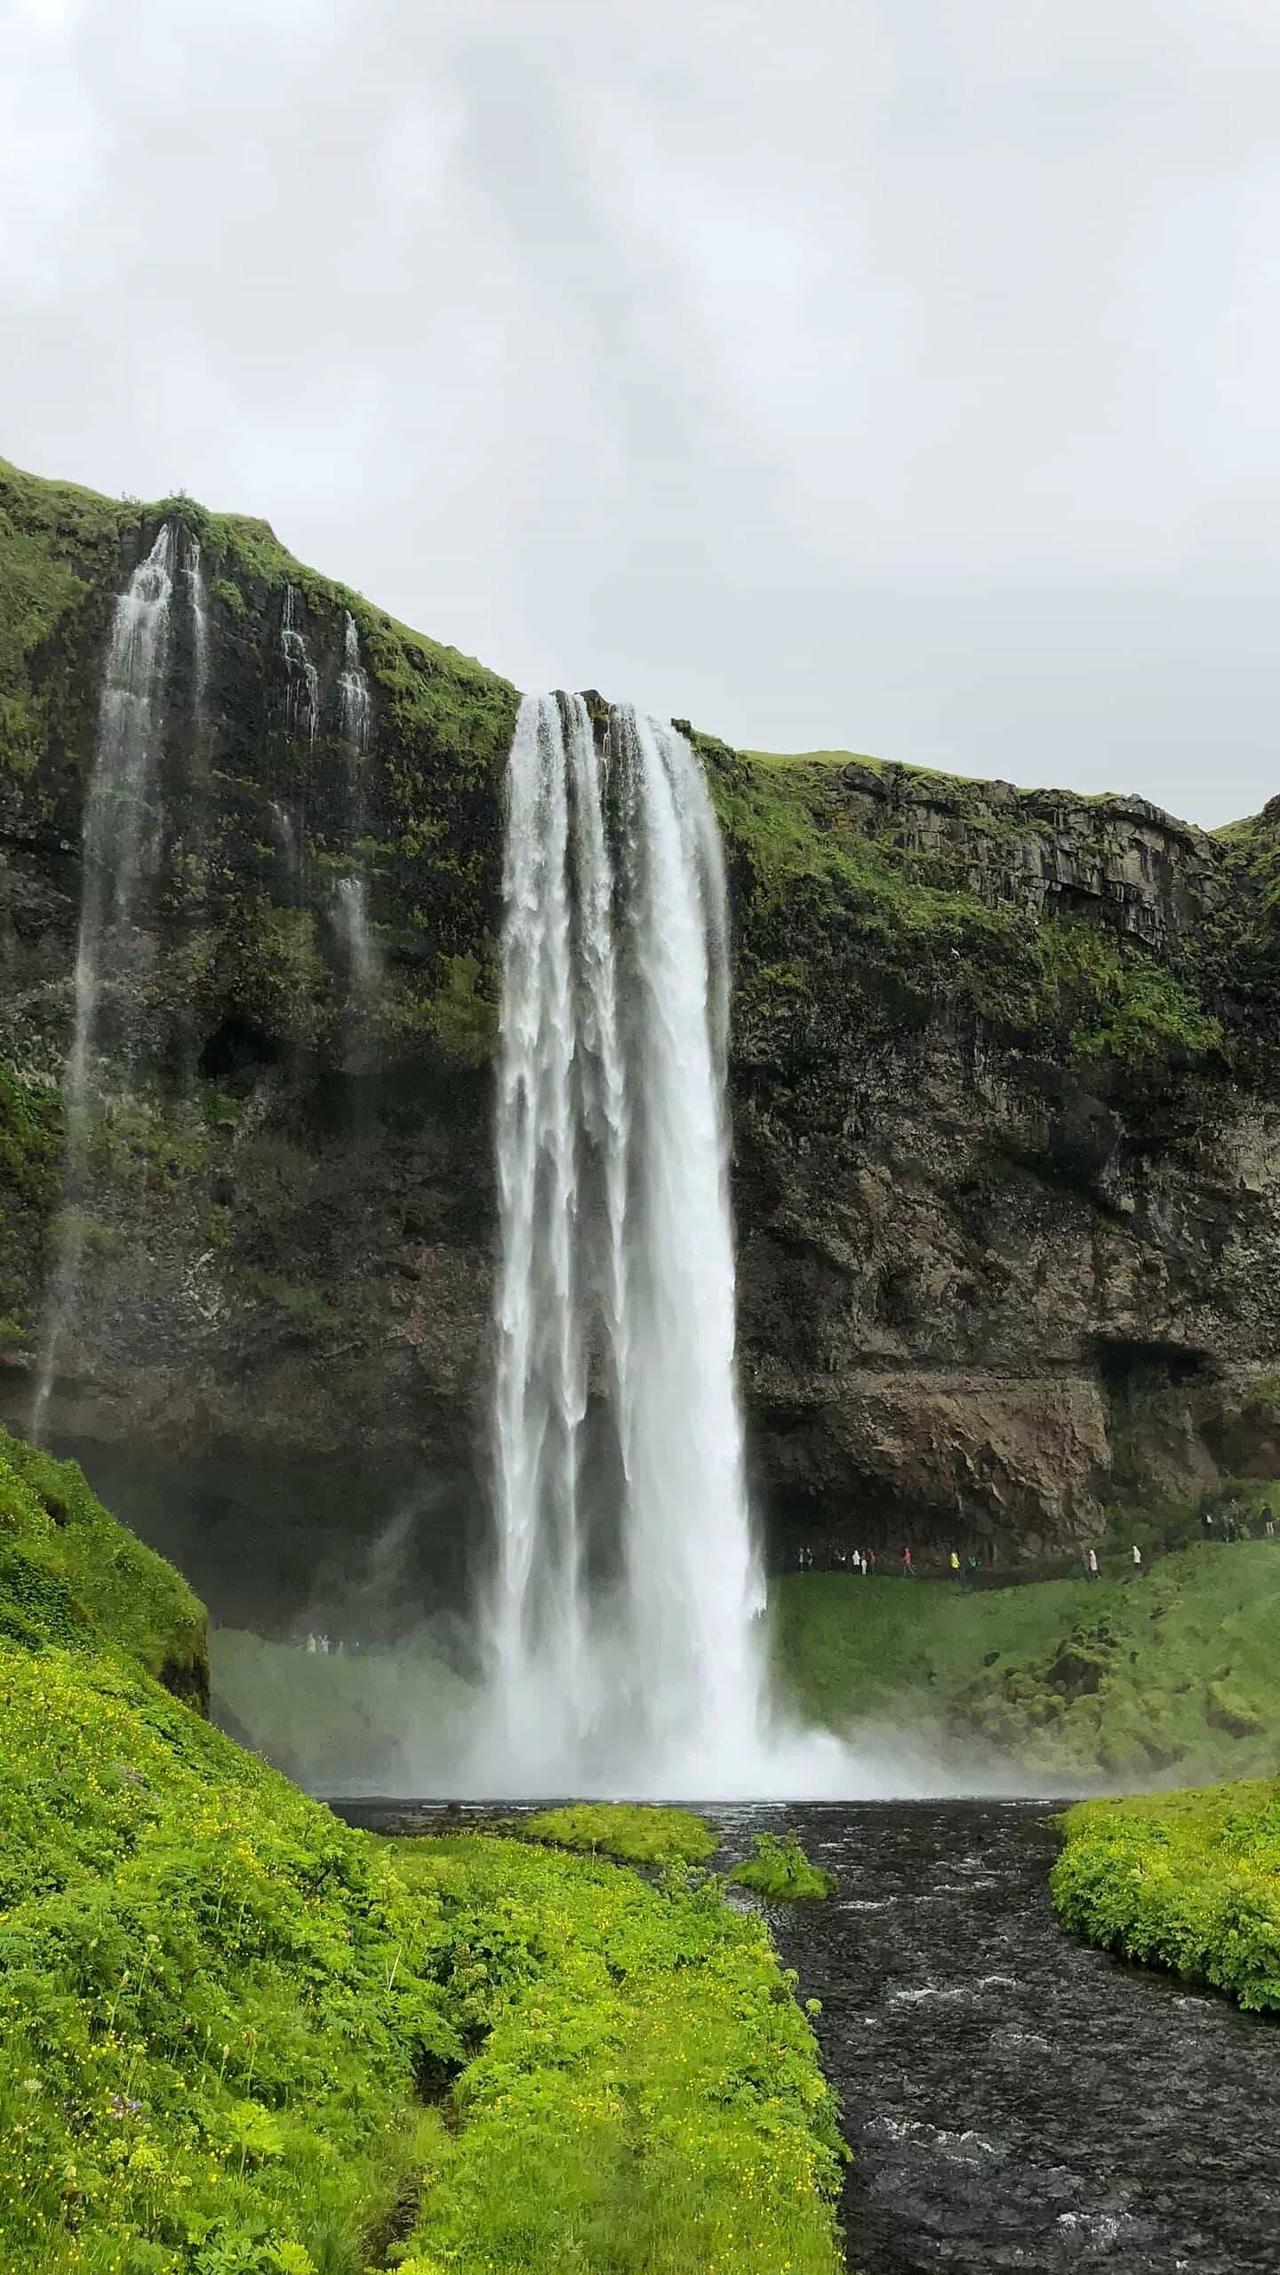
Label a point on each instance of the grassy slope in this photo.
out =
(1189, 1881)
(1120, 1677)
(237, 2038)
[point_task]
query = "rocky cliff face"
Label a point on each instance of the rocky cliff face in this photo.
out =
(1005, 1079)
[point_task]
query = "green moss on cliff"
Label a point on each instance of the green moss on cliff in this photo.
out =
(820, 893)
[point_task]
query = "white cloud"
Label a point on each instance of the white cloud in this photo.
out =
(864, 371)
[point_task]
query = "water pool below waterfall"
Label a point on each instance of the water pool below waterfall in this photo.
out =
(1014, 2099)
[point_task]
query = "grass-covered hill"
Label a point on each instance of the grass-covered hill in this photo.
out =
(1118, 1679)
(239, 2038)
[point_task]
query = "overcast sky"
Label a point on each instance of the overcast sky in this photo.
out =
(890, 374)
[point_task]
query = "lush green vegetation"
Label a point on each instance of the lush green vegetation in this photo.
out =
(70, 1575)
(237, 2038)
(1188, 1881)
(646, 2100)
(629, 1830)
(779, 1870)
(1123, 1677)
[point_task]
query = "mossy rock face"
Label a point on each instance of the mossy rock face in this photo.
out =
(1003, 1076)
(71, 1576)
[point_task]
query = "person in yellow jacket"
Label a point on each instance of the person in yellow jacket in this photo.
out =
(954, 1561)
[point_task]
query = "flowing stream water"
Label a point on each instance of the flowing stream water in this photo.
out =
(621, 1632)
(1014, 2100)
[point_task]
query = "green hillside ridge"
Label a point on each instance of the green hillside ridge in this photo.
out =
(238, 2038)
(1185, 1881)
(1117, 1679)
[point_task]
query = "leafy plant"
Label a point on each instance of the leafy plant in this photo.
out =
(779, 1870)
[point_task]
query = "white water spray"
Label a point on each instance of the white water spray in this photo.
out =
(623, 1631)
(121, 840)
(303, 707)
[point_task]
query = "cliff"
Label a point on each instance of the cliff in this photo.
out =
(1004, 1066)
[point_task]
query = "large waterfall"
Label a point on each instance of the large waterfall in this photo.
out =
(623, 1628)
(121, 842)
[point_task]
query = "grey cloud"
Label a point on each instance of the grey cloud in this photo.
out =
(864, 372)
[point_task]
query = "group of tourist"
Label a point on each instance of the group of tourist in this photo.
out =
(1231, 1520)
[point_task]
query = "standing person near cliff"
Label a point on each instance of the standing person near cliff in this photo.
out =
(954, 1561)
(908, 1568)
(1091, 1564)
(1137, 1559)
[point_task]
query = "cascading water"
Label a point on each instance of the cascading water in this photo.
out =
(364, 963)
(121, 839)
(355, 702)
(351, 905)
(303, 678)
(193, 573)
(623, 1636)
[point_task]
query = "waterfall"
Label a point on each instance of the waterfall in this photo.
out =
(193, 573)
(621, 1628)
(364, 961)
(288, 837)
(303, 706)
(351, 916)
(356, 705)
(121, 834)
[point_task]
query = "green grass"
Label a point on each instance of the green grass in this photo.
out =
(636, 1834)
(647, 2101)
(1119, 1678)
(238, 2038)
(779, 1870)
(1187, 1881)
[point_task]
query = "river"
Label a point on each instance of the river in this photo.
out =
(1013, 2099)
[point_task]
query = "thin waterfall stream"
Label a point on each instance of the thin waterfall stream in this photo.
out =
(121, 842)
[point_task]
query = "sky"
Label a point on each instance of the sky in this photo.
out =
(889, 375)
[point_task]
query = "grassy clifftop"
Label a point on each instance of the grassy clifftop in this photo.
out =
(924, 885)
(238, 2038)
(63, 547)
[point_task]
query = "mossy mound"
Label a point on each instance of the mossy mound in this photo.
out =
(1187, 1881)
(779, 1870)
(71, 1576)
(629, 1830)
